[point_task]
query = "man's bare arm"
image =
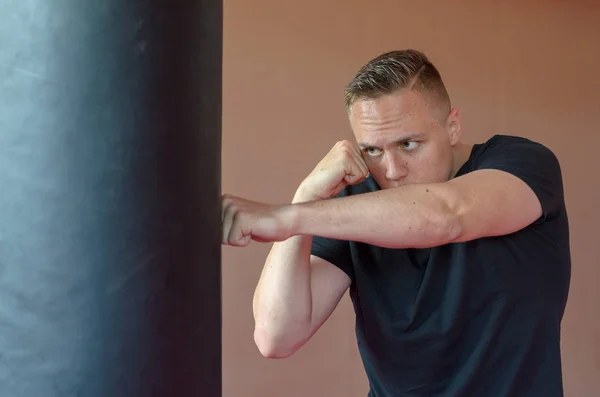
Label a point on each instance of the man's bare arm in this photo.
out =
(479, 204)
(295, 295)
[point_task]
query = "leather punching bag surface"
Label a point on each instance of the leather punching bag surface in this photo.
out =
(110, 153)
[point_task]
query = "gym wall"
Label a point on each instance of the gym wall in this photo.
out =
(513, 68)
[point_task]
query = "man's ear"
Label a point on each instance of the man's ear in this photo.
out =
(453, 126)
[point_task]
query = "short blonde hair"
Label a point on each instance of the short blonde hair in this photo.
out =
(393, 71)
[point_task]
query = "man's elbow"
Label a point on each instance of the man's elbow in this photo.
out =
(451, 226)
(274, 346)
(454, 230)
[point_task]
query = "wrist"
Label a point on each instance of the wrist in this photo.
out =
(291, 216)
(303, 196)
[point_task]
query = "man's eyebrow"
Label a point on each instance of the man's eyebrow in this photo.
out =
(409, 137)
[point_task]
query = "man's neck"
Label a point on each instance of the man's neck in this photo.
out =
(460, 155)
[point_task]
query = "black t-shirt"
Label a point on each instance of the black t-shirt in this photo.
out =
(474, 319)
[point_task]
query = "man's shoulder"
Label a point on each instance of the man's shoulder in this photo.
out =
(511, 148)
(508, 142)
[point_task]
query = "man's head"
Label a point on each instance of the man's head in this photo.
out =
(402, 119)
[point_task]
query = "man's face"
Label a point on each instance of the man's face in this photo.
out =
(405, 138)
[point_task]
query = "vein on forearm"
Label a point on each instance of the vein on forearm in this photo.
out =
(416, 216)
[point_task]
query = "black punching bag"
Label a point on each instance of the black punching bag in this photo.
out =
(110, 153)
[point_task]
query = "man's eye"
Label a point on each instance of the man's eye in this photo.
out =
(410, 145)
(373, 151)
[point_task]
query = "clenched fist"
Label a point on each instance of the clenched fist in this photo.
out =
(244, 220)
(342, 166)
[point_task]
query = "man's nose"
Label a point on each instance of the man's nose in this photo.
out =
(396, 168)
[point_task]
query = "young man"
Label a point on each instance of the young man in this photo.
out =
(457, 256)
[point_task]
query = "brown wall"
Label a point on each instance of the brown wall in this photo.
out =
(528, 70)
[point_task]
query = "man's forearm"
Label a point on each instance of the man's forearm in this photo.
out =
(413, 216)
(282, 302)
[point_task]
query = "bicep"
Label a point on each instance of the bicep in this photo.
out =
(328, 285)
(516, 182)
(491, 202)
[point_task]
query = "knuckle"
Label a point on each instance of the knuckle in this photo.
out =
(349, 157)
(226, 200)
(237, 217)
(344, 148)
(344, 144)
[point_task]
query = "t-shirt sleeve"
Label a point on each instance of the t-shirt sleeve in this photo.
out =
(533, 163)
(337, 252)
